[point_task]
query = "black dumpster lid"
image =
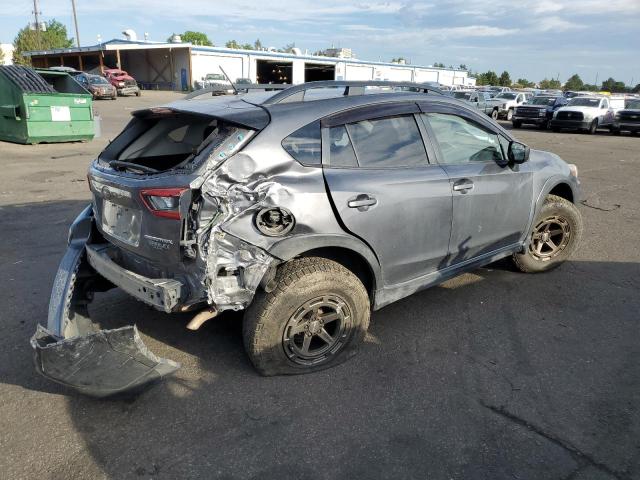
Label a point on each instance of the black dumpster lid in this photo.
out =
(26, 79)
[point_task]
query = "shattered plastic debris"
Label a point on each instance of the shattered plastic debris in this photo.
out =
(100, 364)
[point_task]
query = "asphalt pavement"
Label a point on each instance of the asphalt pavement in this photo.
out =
(493, 375)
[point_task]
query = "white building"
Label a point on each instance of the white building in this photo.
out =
(7, 54)
(159, 65)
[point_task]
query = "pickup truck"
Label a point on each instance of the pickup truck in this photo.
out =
(125, 84)
(480, 100)
(504, 103)
(627, 119)
(587, 113)
(538, 111)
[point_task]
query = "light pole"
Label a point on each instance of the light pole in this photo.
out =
(75, 21)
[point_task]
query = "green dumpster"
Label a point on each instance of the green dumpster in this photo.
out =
(43, 106)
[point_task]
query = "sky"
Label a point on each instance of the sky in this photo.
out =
(530, 39)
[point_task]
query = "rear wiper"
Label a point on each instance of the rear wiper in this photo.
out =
(131, 166)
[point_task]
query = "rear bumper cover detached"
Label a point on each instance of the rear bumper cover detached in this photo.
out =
(72, 350)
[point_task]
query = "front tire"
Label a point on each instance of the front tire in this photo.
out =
(554, 237)
(315, 318)
(509, 114)
(517, 124)
(593, 127)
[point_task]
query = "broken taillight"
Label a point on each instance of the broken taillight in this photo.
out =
(163, 202)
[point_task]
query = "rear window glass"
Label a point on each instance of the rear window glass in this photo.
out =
(305, 145)
(388, 142)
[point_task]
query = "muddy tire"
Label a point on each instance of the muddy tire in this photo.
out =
(315, 318)
(554, 237)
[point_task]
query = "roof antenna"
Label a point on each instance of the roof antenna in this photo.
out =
(235, 90)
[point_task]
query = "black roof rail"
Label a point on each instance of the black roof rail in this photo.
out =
(222, 89)
(296, 93)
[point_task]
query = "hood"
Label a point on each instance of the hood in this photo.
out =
(576, 108)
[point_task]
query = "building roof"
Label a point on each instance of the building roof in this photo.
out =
(121, 44)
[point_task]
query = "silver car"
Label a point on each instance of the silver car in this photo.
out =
(307, 208)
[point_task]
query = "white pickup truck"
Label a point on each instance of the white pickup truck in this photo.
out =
(504, 103)
(587, 113)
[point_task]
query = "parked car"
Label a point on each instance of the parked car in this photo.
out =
(125, 84)
(216, 81)
(587, 113)
(97, 86)
(504, 103)
(628, 119)
(480, 100)
(306, 215)
(537, 111)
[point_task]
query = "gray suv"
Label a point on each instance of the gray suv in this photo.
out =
(307, 208)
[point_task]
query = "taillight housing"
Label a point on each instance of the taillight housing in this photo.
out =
(163, 202)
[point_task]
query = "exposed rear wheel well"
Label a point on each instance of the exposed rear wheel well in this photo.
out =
(350, 260)
(562, 190)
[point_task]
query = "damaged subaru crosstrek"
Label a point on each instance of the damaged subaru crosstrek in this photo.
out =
(307, 208)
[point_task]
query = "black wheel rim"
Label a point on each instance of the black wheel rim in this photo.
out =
(317, 330)
(549, 238)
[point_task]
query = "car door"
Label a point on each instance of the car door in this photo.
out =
(385, 191)
(491, 203)
(606, 113)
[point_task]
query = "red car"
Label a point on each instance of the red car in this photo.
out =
(125, 84)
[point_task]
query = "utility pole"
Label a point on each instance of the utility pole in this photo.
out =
(36, 14)
(75, 22)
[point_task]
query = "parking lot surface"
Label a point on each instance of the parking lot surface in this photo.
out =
(492, 375)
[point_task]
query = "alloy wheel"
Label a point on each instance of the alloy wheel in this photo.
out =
(317, 330)
(550, 237)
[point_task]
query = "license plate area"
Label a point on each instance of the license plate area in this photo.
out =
(121, 222)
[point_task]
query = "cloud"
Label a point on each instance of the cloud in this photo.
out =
(555, 24)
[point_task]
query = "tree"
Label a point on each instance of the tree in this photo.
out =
(288, 48)
(257, 45)
(505, 79)
(552, 84)
(399, 60)
(636, 89)
(610, 85)
(574, 83)
(1, 57)
(55, 36)
(524, 83)
(463, 66)
(197, 38)
(590, 88)
(232, 44)
(439, 65)
(488, 78)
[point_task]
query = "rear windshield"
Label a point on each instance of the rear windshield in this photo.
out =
(174, 141)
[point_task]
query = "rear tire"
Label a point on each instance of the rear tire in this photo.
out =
(494, 114)
(315, 318)
(554, 237)
(544, 126)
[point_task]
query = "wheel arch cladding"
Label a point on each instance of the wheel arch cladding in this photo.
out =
(562, 190)
(349, 259)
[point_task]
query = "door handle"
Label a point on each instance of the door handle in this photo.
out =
(463, 186)
(362, 202)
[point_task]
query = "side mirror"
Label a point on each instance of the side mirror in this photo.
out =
(518, 152)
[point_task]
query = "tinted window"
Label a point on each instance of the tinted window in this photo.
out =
(463, 141)
(341, 152)
(388, 142)
(304, 144)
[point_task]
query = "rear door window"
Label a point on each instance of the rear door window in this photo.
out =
(341, 153)
(388, 142)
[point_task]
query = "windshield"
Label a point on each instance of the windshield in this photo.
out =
(214, 76)
(633, 104)
(98, 80)
(584, 102)
(462, 95)
(542, 101)
(507, 96)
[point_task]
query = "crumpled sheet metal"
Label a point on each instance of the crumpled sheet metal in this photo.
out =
(100, 364)
(234, 190)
